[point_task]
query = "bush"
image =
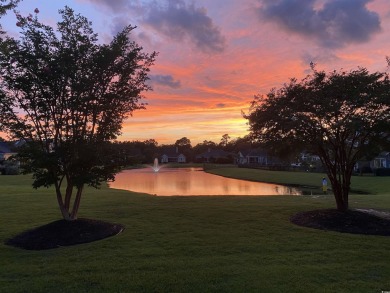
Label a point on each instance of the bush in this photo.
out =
(382, 172)
(10, 167)
(12, 170)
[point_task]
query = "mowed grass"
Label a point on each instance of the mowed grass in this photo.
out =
(191, 244)
(367, 184)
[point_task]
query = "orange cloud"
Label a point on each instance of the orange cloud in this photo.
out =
(201, 88)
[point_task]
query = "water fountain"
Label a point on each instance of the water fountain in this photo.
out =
(155, 167)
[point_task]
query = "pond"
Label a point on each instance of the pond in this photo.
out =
(192, 181)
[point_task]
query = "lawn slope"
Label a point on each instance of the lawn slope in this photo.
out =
(190, 244)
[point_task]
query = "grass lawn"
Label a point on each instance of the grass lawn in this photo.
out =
(195, 244)
(310, 181)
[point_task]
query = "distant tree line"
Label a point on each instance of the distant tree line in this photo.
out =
(128, 153)
(144, 152)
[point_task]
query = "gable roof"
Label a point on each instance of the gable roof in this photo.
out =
(172, 152)
(253, 153)
(244, 153)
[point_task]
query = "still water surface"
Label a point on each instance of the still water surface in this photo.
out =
(192, 181)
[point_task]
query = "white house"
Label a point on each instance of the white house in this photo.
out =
(381, 161)
(255, 156)
(172, 155)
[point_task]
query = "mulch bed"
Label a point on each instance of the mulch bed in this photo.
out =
(352, 221)
(67, 233)
(64, 233)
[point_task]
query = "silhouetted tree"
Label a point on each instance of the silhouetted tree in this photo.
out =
(150, 150)
(185, 147)
(67, 95)
(204, 147)
(240, 144)
(183, 142)
(224, 140)
(339, 115)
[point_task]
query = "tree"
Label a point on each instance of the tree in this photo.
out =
(183, 142)
(184, 146)
(5, 6)
(67, 95)
(338, 115)
(224, 140)
(204, 146)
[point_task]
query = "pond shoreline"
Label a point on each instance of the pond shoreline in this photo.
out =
(187, 181)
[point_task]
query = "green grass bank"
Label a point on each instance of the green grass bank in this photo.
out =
(310, 182)
(194, 244)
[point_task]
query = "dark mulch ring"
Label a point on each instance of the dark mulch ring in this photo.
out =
(64, 233)
(352, 221)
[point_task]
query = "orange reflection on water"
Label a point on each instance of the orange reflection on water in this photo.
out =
(191, 181)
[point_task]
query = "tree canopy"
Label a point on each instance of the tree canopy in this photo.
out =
(337, 116)
(183, 142)
(224, 140)
(67, 96)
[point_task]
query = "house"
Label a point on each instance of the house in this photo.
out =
(307, 161)
(362, 166)
(309, 158)
(381, 161)
(172, 155)
(5, 151)
(254, 156)
(7, 167)
(241, 158)
(215, 156)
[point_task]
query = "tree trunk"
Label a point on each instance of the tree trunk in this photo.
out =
(341, 191)
(339, 172)
(63, 209)
(342, 204)
(66, 213)
(68, 194)
(76, 204)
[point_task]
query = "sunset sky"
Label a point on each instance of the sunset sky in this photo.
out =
(215, 55)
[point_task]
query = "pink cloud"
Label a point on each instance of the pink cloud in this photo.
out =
(214, 58)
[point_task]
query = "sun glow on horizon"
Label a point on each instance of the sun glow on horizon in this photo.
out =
(196, 124)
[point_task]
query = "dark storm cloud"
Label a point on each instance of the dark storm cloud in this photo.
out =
(337, 23)
(180, 21)
(166, 80)
(173, 18)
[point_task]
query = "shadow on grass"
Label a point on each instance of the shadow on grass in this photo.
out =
(64, 233)
(67, 233)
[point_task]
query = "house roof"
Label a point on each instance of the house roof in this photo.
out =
(215, 154)
(4, 148)
(244, 153)
(256, 153)
(253, 153)
(172, 152)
